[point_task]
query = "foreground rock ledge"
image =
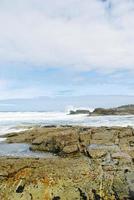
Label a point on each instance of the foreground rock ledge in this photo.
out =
(91, 163)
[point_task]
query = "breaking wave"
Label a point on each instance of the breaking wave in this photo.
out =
(19, 121)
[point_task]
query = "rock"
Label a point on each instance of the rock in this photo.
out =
(122, 110)
(20, 189)
(83, 195)
(92, 163)
(96, 153)
(103, 111)
(130, 151)
(70, 149)
(121, 155)
(56, 198)
(3, 175)
(130, 180)
(55, 142)
(77, 112)
(120, 186)
(127, 132)
(126, 141)
(131, 143)
(85, 137)
(57, 178)
(104, 134)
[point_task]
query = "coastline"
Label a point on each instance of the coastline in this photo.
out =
(88, 163)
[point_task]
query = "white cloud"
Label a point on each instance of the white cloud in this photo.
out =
(88, 34)
(3, 84)
(29, 92)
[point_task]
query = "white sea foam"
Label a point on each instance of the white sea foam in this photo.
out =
(19, 121)
(78, 108)
(2, 139)
(35, 116)
(9, 129)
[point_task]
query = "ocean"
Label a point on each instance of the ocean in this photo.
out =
(18, 121)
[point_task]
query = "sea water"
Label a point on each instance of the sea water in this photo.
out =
(20, 121)
(21, 150)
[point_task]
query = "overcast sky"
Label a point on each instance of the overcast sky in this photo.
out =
(65, 48)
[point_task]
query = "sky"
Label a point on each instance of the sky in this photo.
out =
(61, 48)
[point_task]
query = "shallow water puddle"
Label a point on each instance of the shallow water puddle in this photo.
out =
(21, 150)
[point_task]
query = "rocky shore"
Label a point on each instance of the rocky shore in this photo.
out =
(122, 110)
(89, 163)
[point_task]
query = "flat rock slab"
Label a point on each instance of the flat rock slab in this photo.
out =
(92, 163)
(64, 178)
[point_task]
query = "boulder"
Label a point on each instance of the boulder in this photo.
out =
(96, 153)
(70, 149)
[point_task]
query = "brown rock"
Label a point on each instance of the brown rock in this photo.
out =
(96, 153)
(121, 155)
(70, 149)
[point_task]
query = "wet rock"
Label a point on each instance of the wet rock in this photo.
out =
(83, 195)
(108, 161)
(131, 143)
(56, 198)
(20, 187)
(131, 195)
(96, 196)
(77, 112)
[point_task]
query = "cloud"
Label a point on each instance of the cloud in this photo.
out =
(29, 92)
(75, 34)
(3, 84)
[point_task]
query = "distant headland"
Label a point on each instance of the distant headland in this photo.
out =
(122, 110)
